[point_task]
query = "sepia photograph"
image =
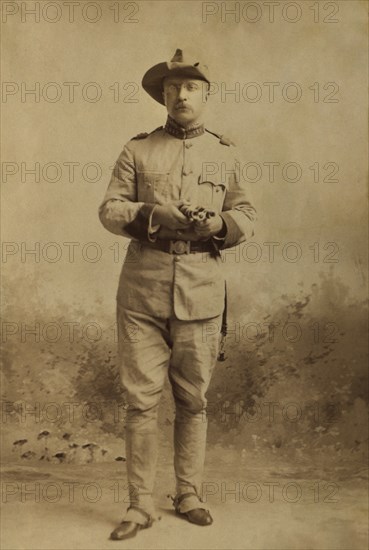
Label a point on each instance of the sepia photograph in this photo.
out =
(184, 275)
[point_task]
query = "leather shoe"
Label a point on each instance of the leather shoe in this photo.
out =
(189, 510)
(199, 516)
(129, 528)
(126, 530)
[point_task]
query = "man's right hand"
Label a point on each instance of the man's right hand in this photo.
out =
(170, 216)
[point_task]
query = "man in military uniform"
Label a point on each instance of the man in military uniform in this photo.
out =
(171, 288)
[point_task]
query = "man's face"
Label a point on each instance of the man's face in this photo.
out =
(185, 99)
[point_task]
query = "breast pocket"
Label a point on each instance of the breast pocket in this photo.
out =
(152, 186)
(211, 194)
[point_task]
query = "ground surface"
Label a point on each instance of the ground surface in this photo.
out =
(256, 503)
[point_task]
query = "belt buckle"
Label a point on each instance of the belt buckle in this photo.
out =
(179, 247)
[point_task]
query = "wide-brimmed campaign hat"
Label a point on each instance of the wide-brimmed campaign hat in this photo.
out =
(179, 65)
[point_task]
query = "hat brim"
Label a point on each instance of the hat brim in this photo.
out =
(152, 81)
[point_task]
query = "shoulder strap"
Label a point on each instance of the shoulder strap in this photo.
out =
(222, 139)
(143, 135)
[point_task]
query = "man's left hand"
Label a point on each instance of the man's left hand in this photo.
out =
(209, 227)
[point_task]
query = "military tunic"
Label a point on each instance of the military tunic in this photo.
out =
(167, 165)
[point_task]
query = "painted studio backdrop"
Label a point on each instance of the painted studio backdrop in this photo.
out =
(289, 88)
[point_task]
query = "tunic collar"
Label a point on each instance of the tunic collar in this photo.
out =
(174, 129)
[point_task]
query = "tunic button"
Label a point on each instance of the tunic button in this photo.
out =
(188, 145)
(176, 258)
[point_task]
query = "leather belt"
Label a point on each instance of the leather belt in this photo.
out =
(180, 246)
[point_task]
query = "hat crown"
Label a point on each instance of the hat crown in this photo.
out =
(178, 56)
